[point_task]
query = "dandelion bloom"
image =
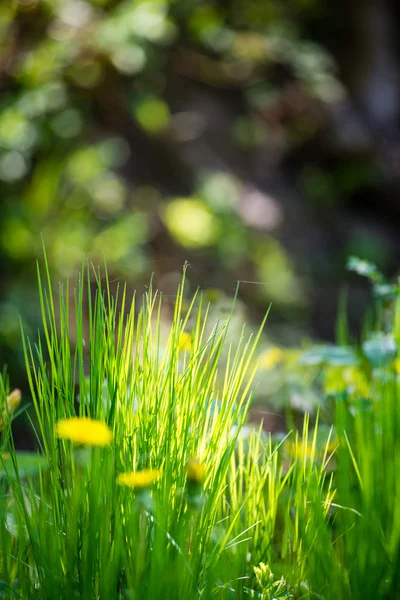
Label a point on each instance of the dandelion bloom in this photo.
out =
(139, 479)
(195, 471)
(299, 449)
(83, 430)
(331, 447)
(271, 358)
(185, 342)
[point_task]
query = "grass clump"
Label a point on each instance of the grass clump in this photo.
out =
(145, 486)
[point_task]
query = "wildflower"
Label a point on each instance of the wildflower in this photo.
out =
(263, 575)
(139, 479)
(334, 381)
(185, 342)
(271, 357)
(13, 401)
(195, 471)
(331, 447)
(351, 380)
(299, 449)
(83, 430)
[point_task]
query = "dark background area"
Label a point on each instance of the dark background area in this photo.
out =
(256, 139)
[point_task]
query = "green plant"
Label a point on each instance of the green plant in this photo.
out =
(146, 486)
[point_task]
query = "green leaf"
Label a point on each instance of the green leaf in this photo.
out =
(380, 349)
(385, 290)
(330, 355)
(364, 268)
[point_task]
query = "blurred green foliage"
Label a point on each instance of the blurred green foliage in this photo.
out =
(311, 378)
(88, 99)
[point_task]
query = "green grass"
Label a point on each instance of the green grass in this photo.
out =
(307, 517)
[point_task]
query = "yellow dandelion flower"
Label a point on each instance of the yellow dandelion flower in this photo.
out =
(83, 430)
(334, 382)
(292, 356)
(271, 357)
(139, 479)
(357, 382)
(195, 471)
(185, 342)
(298, 449)
(331, 447)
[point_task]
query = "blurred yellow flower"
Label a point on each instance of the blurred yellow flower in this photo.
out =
(195, 470)
(299, 449)
(185, 342)
(83, 430)
(271, 357)
(139, 479)
(357, 382)
(334, 382)
(350, 379)
(331, 447)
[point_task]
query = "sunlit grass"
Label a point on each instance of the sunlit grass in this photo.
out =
(145, 487)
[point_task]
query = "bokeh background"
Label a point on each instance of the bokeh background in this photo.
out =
(258, 140)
